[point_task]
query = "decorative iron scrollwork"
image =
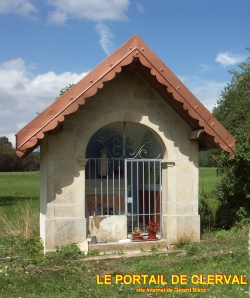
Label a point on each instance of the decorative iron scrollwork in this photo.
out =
(123, 144)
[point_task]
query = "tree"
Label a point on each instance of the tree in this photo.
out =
(9, 162)
(63, 90)
(4, 141)
(8, 159)
(233, 111)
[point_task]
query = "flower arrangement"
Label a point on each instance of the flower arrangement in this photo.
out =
(153, 228)
(137, 232)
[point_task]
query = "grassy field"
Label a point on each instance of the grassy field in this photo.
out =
(17, 187)
(67, 273)
(20, 185)
(208, 179)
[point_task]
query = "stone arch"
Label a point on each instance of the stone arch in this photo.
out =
(86, 130)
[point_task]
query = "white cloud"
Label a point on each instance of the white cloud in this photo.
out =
(95, 10)
(205, 67)
(58, 17)
(140, 7)
(208, 92)
(23, 94)
(105, 38)
(227, 58)
(21, 7)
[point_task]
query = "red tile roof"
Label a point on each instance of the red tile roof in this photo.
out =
(136, 55)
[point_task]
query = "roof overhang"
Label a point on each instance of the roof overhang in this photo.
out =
(133, 56)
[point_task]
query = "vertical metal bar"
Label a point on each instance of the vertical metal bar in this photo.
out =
(95, 211)
(100, 160)
(137, 197)
(160, 199)
(114, 187)
(126, 187)
(132, 191)
(154, 194)
(149, 214)
(107, 161)
(119, 187)
(143, 195)
(89, 190)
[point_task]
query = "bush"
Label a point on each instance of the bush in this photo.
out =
(208, 208)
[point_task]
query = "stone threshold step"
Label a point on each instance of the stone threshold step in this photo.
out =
(131, 254)
(129, 246)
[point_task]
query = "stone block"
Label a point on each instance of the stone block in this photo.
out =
(64, 166)
(51, 166)
(181, 226)
(69, 126)
(59, 146)
(64, 211)
(92, 118)
(116, 102)
(144, 93)
(51, 190)
(80, 230)
(64, 189)
(124, 91)
(163, 106)
(76, 117)
(194, 152)
(50, 234)
(169, 208)
(150, 105)
(135, 104)
(79, 210)
(184, 189)
(91, 107)
(130, 115)
(113, 116)
(79, 149)
(184, 147)
(84, 131)
(184, 168)
(110, 228)
(64, 232)
(108, 90)
(50, 213)
(184, 208)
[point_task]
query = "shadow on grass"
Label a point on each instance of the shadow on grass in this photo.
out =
(10, 201)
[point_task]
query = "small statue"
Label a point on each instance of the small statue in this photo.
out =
(103, 166)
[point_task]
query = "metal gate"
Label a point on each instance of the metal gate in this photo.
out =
(143, 193)
(125, 186)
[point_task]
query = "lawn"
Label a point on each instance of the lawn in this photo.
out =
(63, 276)
(208, 179)
(17, 187)
(67, 273)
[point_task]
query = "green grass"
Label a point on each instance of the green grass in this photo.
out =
(66, 274)
(207, 179)
(223, 252)
(18, 186)
(19, 197)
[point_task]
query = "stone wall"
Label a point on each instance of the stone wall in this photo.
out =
(126, 98)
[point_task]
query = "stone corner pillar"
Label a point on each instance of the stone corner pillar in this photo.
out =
(176, 225)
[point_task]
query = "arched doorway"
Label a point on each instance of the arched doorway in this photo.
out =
(123, 175)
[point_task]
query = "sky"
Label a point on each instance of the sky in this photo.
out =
(46, 45)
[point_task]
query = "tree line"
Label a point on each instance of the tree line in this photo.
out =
(10, 162)
(229, 205)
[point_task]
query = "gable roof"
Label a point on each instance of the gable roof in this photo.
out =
(132, 56)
